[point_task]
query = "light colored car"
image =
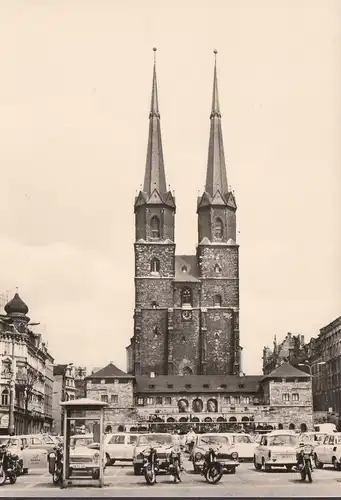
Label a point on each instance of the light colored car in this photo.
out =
(33, 458)
(41, 441)
(312, 438)
(83, 459)
(276, 449)
(329, 451)
(244, 446)
(119, 446)
(204, 442)
(161, 442)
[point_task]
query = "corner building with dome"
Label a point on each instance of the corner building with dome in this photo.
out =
(186, 318)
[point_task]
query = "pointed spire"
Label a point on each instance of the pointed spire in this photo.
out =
(216, 178)
(154, 177)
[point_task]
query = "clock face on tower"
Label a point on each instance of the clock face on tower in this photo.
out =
(186, 315)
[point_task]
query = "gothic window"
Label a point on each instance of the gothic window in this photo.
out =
(4, 397)
(217, 300)
(184, 269)
(186, 297)
(155, 265)
(155, 227)
(218, 229)
(154, 304)
(156, 331)
(187, 371)
(217, 269)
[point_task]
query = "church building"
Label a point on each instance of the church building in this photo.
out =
(186, 318)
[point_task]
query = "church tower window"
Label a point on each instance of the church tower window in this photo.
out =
(186, 297)
(155, 265)
(155, 227)
(218, 229)
(217, 300)
(187, 371)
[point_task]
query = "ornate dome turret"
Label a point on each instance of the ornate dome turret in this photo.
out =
(16, 306)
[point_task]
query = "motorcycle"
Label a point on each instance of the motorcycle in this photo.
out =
(304, 462)
(152, 465)
(55, 459)
(9, 465)
(214, 467)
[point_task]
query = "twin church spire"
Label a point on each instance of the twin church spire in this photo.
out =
(155, 186)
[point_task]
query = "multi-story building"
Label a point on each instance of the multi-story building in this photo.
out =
(115, 387)
(80, 382)
(322, 357)
(186, 319)
(64, 389)
(25, 363)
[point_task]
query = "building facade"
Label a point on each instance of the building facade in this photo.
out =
(64, 389)
(115, 387)
(186, 318)
(25, 363)
(322, 357)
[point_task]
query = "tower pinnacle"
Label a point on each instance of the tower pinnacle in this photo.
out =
(154, 177)
(216, 179)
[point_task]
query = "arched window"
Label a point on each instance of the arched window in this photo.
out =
(217, 300)
(218, 229)
(155, 265)
(155, 227)
(217, 269)
(304, 428)
(186, 297)
(154, 304)
(5, 397)
(187, 371)
(292, 427)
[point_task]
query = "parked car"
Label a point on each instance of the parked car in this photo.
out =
(83, 459)
(244, 446)
(205, 441)
(40, 441)
(119, 447)
(312, 438)
(162, 443)
(329, 451)
(33, 458)
(276, 449)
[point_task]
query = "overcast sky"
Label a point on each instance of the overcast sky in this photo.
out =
(74, 101)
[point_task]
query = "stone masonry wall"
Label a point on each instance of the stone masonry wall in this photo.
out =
(219, 341)
(186, 342)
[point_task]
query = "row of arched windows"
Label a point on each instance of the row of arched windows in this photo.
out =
(155, 228)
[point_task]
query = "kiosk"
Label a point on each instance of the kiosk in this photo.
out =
(83, 464)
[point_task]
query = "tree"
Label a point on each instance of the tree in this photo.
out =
(26, 380)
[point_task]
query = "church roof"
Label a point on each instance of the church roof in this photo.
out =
(109, 371)
(197, 384)
(286, 370)
(186, 268)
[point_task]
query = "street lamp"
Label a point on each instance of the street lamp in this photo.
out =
(318, 363)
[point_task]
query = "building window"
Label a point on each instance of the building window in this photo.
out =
(206, 386)
(114, 399)
(217, 269)
(236, 400)
(217, 300)
(218, 229)
(170, 386)
(4, 397)
(187, 371)
(295, 397)
(150, 401)
(188, 386)
(159, 400)
(168, 400)
(104, 398)
(227, 400)
(156, 331)
(246, 400)
(154, 265)
(155, 227)
(286, 397)
(103, 381)
(140, 401)
(186, 297)
(184, 269)
(154, 304)
(151, 386)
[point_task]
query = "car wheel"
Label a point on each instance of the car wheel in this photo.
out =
(318, 464)
(257, 465)
(336, 464)
(137, 470)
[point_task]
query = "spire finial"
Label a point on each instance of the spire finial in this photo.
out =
(154, 49)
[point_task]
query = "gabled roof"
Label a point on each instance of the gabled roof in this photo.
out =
(186, 268)
(197, 384)
(109, 371)
(286, 370)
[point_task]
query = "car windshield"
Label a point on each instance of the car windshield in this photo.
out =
(81, 441)
(48, 440)
(283, 440)
(241, 439)
(160, 439)
(214, 440)
(12, 442)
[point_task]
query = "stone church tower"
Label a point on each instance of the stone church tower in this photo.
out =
(186, 317)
